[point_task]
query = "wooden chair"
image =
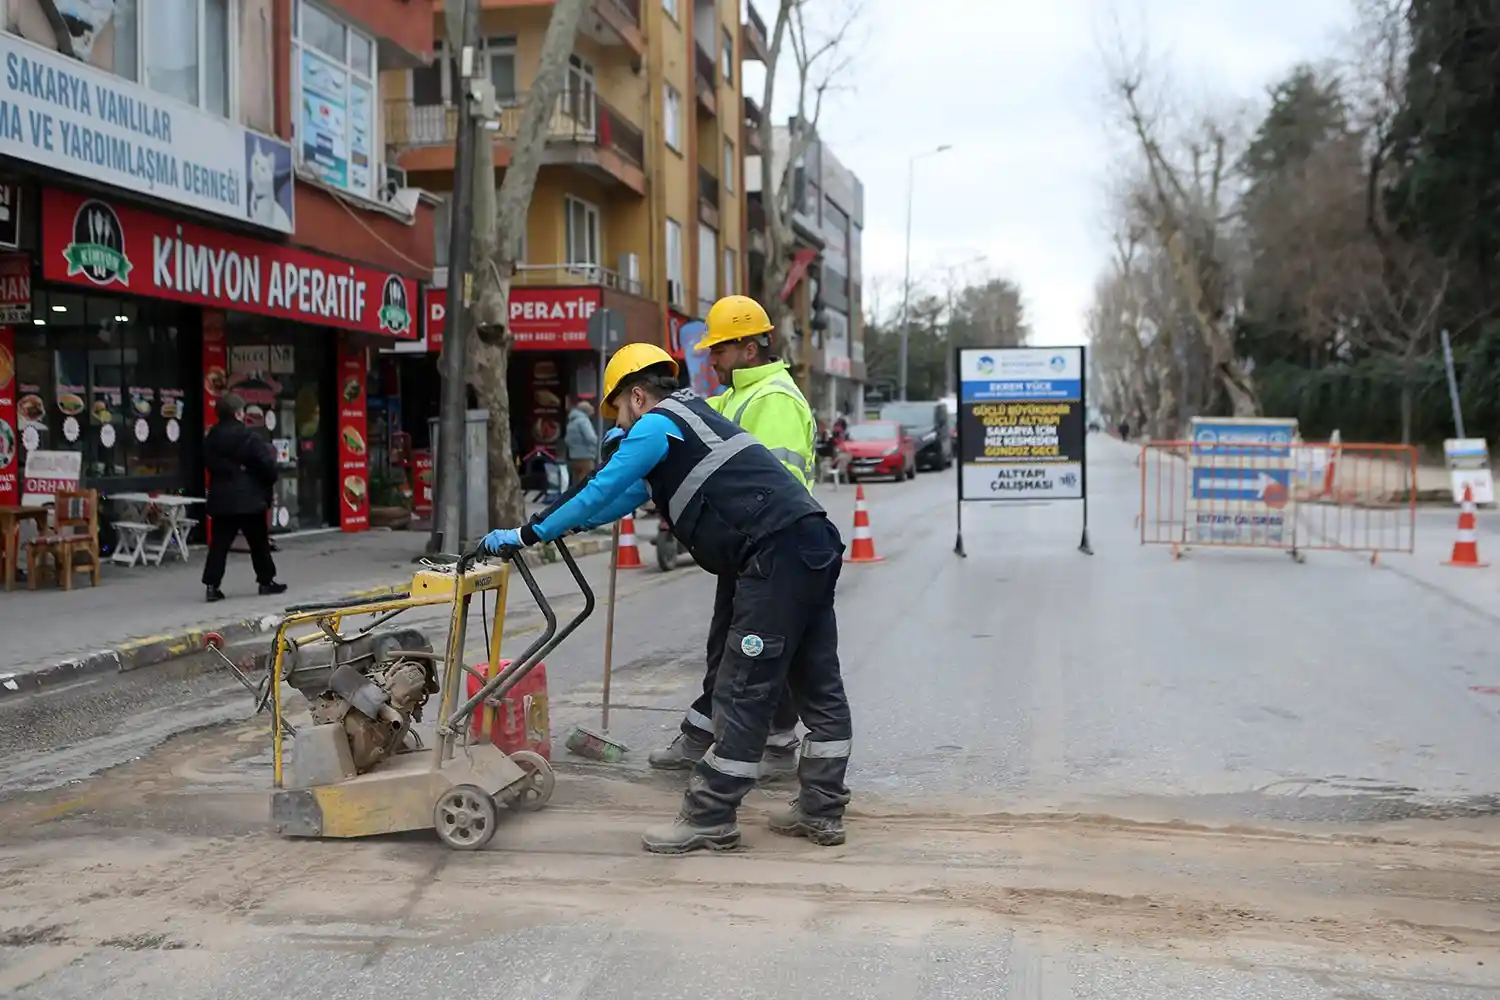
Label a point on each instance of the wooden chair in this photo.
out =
(73, 510)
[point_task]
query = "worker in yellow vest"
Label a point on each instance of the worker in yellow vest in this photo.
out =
(762, 398)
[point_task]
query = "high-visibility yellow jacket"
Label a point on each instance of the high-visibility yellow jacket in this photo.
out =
(766, 402)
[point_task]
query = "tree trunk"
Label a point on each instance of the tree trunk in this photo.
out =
(1408, 402)
(500, 223)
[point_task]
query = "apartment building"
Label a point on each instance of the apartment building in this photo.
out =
(639, 205)
(194, 199)
(824, 286)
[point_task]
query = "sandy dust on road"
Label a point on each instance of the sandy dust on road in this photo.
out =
(172, 852)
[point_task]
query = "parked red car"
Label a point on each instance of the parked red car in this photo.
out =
(880, 448)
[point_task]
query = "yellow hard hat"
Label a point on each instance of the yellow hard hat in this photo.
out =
(734, 317)
(627, 361)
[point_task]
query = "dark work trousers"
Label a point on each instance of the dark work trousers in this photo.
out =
(222, 530)
(782, 630)
(698, 723)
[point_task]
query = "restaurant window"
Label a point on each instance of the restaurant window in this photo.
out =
(105, 377)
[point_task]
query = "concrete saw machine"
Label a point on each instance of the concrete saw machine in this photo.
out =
(361, 768)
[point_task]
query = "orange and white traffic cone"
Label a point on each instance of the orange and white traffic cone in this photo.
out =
(1466, 547)
(864, 542)
(629, 553)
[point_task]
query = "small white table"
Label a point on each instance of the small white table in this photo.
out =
(135, 541)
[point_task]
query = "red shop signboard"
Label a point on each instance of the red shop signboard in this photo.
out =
(354, 461)
(10, 445)
(541, 319)
(97, 244)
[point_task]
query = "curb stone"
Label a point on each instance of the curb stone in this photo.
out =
(136, 654)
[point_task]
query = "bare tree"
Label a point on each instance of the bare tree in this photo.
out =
(1186, 202)
(819, 58)
(499, 226)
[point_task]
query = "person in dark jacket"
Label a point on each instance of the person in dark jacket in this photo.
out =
(241, 473)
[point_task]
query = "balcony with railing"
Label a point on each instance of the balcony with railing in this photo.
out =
(708, 197)
(705, 81)
(574, 274)
(751, 111)
(755, 36)
(611, 22)
(582, 131)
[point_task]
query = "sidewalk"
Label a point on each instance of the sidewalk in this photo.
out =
(145, 615)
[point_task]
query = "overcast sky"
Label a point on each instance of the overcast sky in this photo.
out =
(1017, 88)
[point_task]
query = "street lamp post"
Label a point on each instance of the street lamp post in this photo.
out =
(911, 180)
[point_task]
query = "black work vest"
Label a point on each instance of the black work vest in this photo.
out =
(722, 490)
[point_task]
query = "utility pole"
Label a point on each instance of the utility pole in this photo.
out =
(911, 184)
(448, 524)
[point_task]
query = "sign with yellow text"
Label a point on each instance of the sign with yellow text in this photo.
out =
(1021, 423)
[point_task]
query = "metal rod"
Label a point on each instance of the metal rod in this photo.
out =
(1458, 411)
(609, 622)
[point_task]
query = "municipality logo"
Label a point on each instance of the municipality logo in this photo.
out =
(986, 365)
(395, 313)
(98, 248)
(1057, 363)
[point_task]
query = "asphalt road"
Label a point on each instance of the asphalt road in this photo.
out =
(1076, 776)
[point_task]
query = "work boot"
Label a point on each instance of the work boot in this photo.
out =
(821, 830)
(683, 835)
(680, 755)
(271, 589)
(214, 594)
(778, 763)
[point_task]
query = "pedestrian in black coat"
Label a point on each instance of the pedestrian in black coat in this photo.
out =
(241, 475)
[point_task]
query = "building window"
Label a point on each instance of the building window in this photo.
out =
(335, 124)
(674, 263)
(581, 239)
(432, 85)
(726, 57)
(729, 170)
(672, 117)
(670, 6)
(185, 46)
(731, 276)
(581, 92)
(708, 267)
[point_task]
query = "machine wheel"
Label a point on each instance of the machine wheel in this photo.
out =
(465, 817)
(536, 791)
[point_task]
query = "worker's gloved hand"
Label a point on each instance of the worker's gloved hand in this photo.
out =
(611, 443)
(501, 538)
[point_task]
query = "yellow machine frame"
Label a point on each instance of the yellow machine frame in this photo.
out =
(411, 789)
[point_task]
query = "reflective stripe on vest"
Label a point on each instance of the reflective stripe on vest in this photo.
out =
(720, 450)
(789, 457)
(782, 379)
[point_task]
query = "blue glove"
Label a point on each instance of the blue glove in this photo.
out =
(501, 538)
(614, 434)
(611, 443)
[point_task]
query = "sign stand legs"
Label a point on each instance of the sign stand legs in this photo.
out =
(958, 541)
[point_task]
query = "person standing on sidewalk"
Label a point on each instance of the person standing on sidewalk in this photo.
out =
(763, 399)
(581, 441)
(241, 474)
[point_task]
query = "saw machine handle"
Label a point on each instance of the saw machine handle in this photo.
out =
(544, 644)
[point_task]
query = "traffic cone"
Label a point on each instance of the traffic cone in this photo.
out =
(1466, 547)
(629, 553)
(864, 542)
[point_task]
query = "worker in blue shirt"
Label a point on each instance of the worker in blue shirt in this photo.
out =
(737, 509)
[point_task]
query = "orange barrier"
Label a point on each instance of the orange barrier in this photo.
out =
(1279, 496)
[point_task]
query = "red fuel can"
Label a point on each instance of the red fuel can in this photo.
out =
(517, 721)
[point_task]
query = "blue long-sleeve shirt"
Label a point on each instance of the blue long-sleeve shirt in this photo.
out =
(619, 486)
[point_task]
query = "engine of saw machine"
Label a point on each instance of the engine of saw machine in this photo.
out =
(375, 685)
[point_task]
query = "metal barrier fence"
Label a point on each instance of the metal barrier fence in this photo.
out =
(1293, 497)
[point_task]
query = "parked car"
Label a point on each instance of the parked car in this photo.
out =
(880, 448)
(927, 423)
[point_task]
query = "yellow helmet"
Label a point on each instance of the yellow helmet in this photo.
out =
(734, 317)
(627, 361)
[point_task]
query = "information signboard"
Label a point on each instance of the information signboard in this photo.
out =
(1021, 426)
